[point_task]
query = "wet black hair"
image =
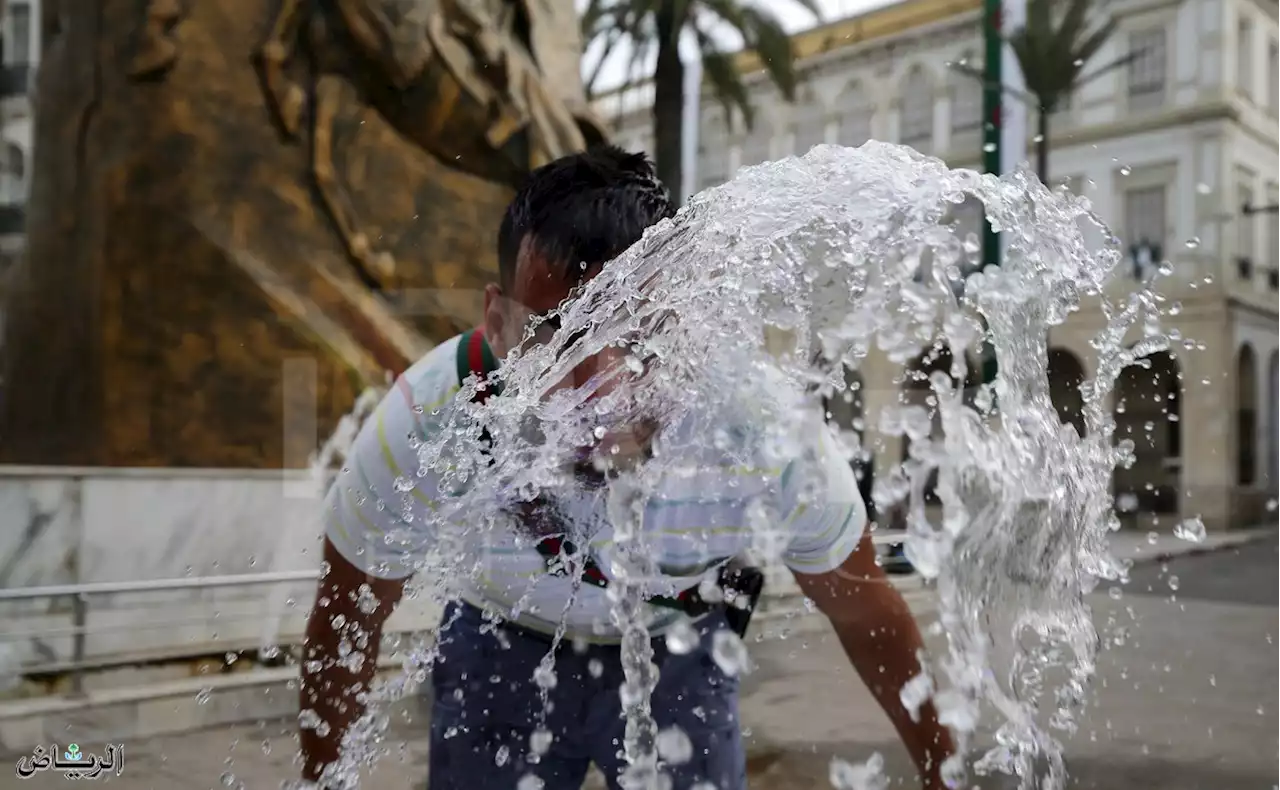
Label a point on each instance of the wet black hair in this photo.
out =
(582, 208)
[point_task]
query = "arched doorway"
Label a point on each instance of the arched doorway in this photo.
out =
(1273, 423)
(1066, 374)
(1148, 411)
(1246, 417)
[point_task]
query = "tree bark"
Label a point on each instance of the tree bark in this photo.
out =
(668, 102)
(1042, 145)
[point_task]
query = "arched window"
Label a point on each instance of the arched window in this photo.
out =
(713, 151)
(966, 99)
(15, 162)
(856, 112)
(1149, 413)
(916, 111)
(808, 123)
(755, 146)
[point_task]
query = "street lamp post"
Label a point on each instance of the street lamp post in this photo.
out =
(992, 82)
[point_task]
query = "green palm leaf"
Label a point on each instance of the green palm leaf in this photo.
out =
(611, 23)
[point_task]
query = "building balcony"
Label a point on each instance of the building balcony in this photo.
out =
(13, 219)
(15, 80)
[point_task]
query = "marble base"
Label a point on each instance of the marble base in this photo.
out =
(72, 526)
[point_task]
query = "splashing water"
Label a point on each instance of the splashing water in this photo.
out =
(850, 253)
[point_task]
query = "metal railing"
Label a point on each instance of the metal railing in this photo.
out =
(80, 594)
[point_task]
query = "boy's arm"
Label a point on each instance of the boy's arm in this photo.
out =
(340, 654)
(834, 562)
(364, 571)
(881, 639)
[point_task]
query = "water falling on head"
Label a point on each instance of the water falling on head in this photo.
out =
(626, 371)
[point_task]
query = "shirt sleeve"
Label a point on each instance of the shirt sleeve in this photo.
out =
(825, 512)
(379, 510)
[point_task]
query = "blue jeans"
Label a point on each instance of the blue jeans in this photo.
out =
(486, 707)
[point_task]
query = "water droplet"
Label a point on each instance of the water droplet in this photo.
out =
(204, 695)
(674, 746)
(309, 720)
(863, 776)
(1115, 592)
(1174, 583)
(1191, 530)
(530, 782)
(989, 148)
(1203, 188)
(545, 676)
(266, 746)
(1151, 536)
(227, 779)
(1125, 170)
(595, 667)
(729, 653)
(501, 756)
(915, 692)
(540, 741)
(682, 638)
(1193, 243)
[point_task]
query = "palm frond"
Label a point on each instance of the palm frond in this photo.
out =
(1090, 46)
(726, 83)
(1052, 58)
(772, 43)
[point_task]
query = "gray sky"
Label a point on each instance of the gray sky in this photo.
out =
(792, 15)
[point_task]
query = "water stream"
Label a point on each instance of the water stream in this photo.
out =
(849, 253)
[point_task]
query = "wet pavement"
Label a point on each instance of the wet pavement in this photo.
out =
(1187, 702)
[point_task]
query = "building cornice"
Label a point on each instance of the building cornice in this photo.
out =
(1261, 306)
(1201, 112)
(873, 26)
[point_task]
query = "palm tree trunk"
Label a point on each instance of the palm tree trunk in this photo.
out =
(1042, 146)
(668, 102)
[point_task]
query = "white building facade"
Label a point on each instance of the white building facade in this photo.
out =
(1170, 149)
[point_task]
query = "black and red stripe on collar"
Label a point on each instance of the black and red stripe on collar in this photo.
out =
(475, 356)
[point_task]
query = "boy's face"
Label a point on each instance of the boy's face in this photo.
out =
(539, 287)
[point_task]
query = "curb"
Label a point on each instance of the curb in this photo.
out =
(1200, 551)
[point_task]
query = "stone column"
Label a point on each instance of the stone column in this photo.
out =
(1208, 410)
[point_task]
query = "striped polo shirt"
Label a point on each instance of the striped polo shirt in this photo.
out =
(697, 517)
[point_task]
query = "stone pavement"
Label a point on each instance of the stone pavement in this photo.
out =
(1162, 545)
(1187, 701)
